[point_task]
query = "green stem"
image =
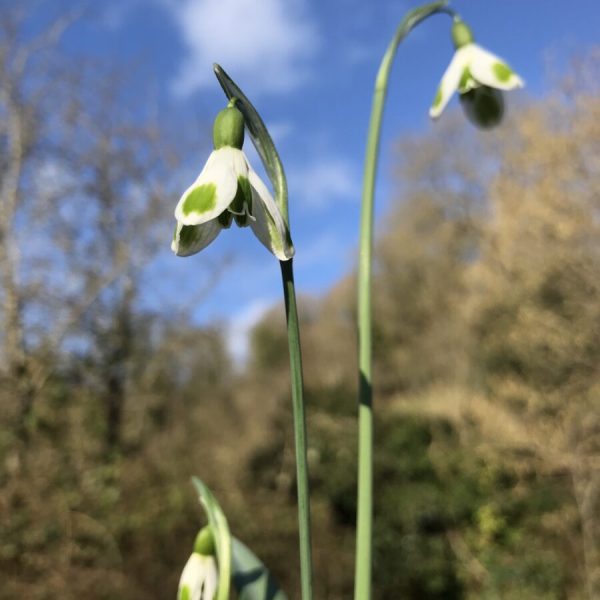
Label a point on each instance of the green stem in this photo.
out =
(364, 521)
(293, 330)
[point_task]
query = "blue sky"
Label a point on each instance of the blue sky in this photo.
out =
(309, 67)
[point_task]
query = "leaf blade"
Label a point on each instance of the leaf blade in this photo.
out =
(221, 533)
(251, 578)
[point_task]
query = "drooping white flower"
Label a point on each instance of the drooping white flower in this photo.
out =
(199, 578)
(472, 68)
(229, 189)
(200, 575)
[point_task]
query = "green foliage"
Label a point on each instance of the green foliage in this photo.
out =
(268, 344)
(434, 496)
(422, 258)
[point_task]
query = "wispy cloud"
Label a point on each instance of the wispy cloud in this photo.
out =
(268, 44)
(280, 130)
(322, 248)
(240, 326)
(325, 180)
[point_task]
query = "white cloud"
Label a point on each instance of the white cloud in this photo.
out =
(240, 326)
(321, 249)
(280, 130)
(326, 180)
(265, 44)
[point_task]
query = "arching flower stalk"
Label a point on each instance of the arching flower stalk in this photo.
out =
(478, 76)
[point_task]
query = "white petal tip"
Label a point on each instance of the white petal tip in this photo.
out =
(286, 255)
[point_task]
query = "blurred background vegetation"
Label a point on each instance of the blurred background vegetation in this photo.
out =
(487, 360)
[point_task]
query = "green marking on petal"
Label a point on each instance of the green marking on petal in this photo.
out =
(244, 184)
(200, 200)
(438, 98)
(241, 205)
(466, 79)
(502, 71)
(184, 593)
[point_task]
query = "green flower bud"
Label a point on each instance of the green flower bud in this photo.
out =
(461, 34)
(205, 542)
(228, 129)
(483, 106)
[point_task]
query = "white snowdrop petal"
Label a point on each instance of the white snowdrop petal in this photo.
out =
(268, 225)
(449, 82)
(492, 71)
(211, 579)
(192, 578)
(213, 190)
(190, 239)
(241, 166)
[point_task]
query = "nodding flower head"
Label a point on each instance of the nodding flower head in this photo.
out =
(228, 190)
(200, 575)
(479, 77)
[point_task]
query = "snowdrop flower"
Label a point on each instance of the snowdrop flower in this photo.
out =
(228, 189)
(199, 577)
(479, 76)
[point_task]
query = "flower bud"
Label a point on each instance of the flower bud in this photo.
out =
(228, 129)
(461, 34)
(483, 106)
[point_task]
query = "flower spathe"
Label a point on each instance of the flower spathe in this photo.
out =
(199, 578)
(471, 67)
(229, 189)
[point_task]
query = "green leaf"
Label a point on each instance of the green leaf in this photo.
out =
(220, 529)
(251, 579)
(260, 138)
